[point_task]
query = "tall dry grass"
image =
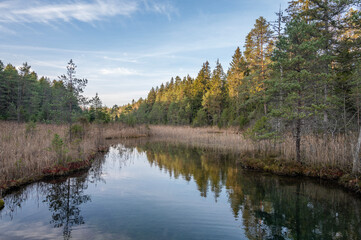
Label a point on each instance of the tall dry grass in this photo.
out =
(334, 152)
(26, 151)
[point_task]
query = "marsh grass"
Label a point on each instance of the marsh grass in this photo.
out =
(317, 151)
(27, 149)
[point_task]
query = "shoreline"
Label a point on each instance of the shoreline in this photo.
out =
(323, 159)
(210, 140)
(270, 165)
(45, 151)
(278, 166)
(273, 166)
(52, 173)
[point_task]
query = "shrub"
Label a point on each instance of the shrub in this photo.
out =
(57, 145)
(200, 119)
(261, 129)
(30, 128)
(77, 131)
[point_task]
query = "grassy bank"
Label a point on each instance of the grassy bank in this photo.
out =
(322, 157)
(30, 151)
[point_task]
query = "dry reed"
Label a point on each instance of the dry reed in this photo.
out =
(320, 152)
(25, 152)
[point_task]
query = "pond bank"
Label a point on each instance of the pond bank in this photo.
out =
(261, 156)
(293, 169)
(55, 171)
(46, 151)
(134, 186)
(325, 158)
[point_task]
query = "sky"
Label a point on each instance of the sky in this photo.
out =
(126, 47)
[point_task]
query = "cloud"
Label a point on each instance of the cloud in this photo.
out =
(128, 60)
(50, 64)
(32, 11)
(7, 30)
(122, 97)
(165, 8)
(118, 71)
(41, 12)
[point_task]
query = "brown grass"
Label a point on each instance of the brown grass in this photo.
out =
(319, 152)
(27, 153)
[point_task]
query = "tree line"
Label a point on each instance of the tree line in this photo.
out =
(25, 97)
(299, 74)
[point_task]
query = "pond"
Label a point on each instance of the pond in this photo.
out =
(154, 190)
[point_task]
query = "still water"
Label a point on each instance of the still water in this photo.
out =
(162, 191)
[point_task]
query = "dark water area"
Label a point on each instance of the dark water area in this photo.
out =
(154, 190)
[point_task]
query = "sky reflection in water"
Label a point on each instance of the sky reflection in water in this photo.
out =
(160, 191)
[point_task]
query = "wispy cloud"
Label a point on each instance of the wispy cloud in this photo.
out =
(7, 30)
(42, 12)
(165, 8)
(34, 11)
(118, 59)
(119, 71)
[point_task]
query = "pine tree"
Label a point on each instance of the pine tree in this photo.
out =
(10, 88)
(356, 95)
(75, 86)
(4, 92)
(259, 47)
(45, 99)
(235, 78)
(295, 53)
(326, 15)
(151, 97)
(214, 98)
(97, 105)
(200, 87)
(237, 71)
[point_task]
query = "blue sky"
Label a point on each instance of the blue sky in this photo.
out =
(124, 47)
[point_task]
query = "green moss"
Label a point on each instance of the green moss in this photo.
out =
(2, 203)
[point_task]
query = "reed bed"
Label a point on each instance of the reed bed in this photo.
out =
(117, 130)
(317, 151)
(26, 150)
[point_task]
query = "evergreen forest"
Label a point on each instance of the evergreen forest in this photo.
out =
(298, 73)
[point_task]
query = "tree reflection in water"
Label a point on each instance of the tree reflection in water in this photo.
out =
(64, 200)
(270, 207)
(66, 196)
(267, 207)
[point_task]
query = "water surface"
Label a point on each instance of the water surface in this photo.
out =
(163, 191)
